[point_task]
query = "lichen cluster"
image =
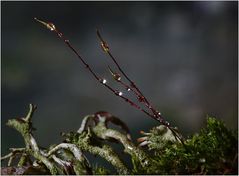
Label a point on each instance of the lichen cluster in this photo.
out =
(212, 151)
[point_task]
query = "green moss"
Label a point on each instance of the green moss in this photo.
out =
(212, 151)
(97, 170)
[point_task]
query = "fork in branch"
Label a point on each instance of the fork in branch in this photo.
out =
(152, 112)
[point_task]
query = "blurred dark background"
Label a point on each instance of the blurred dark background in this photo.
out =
(182, 55)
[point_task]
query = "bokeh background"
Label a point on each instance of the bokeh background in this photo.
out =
(182, 55)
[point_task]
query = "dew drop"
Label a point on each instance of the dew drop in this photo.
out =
(104, 81)
(104, 46)
(159, 113)
(167, 123)
(128, 89)
(119, 93)
(51, 26)
(117, 77)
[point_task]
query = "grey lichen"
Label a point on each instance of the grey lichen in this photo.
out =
(24, 126)
(84, 142)
(101, 131)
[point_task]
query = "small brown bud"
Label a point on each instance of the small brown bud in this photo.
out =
(49, 25)
(116, 76)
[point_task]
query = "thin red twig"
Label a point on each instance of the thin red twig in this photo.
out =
(156, 115)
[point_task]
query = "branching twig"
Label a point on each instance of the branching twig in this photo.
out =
(141, 98)
(133, 86)
(87, 66)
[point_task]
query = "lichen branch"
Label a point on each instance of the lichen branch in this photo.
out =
(84, 142)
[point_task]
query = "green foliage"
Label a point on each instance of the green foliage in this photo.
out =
(160, 137)
(212, 151)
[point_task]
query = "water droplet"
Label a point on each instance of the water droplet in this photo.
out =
(104, 81)
(51, 26)
(120, 93)
(128, 89)
(117, 76)
(159, 113)
(167, 123)
(67, 41)
(104, 46)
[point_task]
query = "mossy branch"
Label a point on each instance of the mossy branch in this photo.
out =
(24, 127)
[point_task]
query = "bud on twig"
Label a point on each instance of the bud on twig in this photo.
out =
(50, 26)
(116, 76)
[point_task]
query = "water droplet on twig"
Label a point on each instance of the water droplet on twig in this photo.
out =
(167, 123)
(119, 93)
(104, 46)
(104, 81)
(51, 26)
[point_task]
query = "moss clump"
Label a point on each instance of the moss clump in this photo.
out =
(100, 171)
(212, 151)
